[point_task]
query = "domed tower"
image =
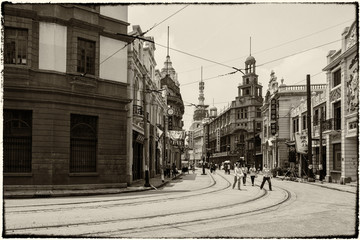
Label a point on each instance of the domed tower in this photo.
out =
(250, 86)
(213, 112)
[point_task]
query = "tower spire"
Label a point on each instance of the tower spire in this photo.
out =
(201, 89)
(168, 41)
(250, 46)
(167, 56)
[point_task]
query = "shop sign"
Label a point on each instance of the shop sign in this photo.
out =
(301, 143)
(218, 139)
(221, 154)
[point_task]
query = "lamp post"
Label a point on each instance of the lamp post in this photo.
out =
(308, 90)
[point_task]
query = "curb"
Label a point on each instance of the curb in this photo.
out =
(323, 186)
(51, 194)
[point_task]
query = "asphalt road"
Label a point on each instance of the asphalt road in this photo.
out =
(195, 206)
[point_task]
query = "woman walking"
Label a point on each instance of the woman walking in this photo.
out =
(252, 171)
(238, 174)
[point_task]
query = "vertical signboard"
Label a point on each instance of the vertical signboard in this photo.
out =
(191, 139)
(218, 139)
(273, 117)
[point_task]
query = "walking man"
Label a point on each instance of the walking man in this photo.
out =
(267, 177)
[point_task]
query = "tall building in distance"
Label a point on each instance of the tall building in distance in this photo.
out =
(196, 130)
(201, 111)
(175, 112)
(233, 134)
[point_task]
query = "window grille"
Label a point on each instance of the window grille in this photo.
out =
(17, 141)
(83, 143)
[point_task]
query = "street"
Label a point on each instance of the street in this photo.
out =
(193, 206)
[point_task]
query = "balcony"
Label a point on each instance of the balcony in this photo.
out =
(331, 124)
(138, 110)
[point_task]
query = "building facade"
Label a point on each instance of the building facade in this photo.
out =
(196, 130)
(146, 112)
(276, 114)
(342, 116)
(65, 99)
(233, 135)
(298, 126)
(175, 112)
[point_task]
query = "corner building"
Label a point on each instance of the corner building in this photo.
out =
(64, 98)
(174, 101)
(341, 128)
(278, 122)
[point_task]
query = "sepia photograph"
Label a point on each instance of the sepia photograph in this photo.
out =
(180, 120)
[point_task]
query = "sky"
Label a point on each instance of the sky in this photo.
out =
(291, 39)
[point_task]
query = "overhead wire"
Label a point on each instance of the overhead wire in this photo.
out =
(166, 19)
(142, 34)
(202, 58)
(291, 55)
(280, 45)
(298, 53)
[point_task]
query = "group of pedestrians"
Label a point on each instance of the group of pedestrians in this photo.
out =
(240, 174)
(170, 170)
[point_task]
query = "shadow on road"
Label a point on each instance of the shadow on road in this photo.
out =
(190, 176)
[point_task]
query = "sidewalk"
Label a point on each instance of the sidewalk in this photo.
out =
(136, 186)
(349, 187)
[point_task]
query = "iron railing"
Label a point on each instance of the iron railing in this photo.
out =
(138, 110)
(17, 141)
(83, 143)
(83, 155)
(331, 124)
(17, 154)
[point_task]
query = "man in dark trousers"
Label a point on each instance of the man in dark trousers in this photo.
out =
(174, 169)
(267, 177)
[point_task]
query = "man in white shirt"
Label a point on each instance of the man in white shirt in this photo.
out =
(267, 177)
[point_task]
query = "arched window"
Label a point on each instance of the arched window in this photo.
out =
(17, 141)
(83, 143)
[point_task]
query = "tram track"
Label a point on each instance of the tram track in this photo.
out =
(114, 202)
(287, 196)
(235, 215)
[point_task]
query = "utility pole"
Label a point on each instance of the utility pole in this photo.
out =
(310, 167)
(254, 149)
(320, 145)
(163, 151)
(146, 133)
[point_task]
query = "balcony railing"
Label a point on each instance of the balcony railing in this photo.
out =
(332, 124)
(138, 110)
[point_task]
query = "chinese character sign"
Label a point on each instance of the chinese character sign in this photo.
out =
(191, 139)
(301, 143)
(218, 139)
